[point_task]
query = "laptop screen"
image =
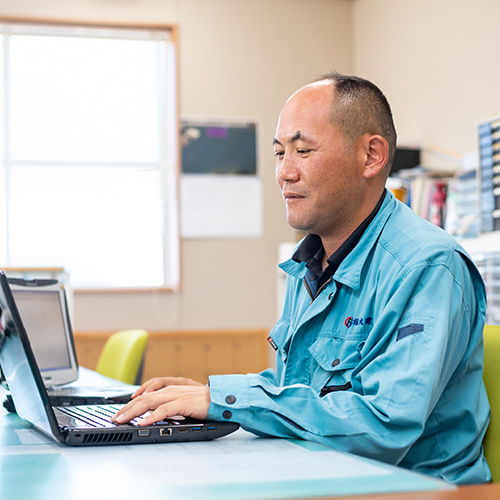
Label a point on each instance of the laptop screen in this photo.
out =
(44, 315)
(20, 368)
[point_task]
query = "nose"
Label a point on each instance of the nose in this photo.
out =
(286, 170)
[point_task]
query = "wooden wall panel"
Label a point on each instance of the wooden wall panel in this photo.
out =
(193, 354)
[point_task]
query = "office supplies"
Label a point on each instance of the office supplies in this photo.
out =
(67, 424)
(43, 306)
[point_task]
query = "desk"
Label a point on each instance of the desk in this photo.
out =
(237, 467)
(479, 492)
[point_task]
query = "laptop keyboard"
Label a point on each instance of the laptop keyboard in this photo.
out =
(91, 415)
(100, 416)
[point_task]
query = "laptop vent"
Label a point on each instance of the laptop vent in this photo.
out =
(107, 437)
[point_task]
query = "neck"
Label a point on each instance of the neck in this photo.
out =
(331, 243)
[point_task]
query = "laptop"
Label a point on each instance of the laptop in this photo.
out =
(43, 306)
(84, 425)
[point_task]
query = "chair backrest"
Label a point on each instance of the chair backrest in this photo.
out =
(122, 355)
(491, 377)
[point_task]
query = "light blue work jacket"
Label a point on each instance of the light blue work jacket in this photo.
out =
(396, 338)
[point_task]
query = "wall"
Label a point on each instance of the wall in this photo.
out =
(238, 59)
(436, 62)
(434, 59)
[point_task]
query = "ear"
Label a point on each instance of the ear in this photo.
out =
(377, 153)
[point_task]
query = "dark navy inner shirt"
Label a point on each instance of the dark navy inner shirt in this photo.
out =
(311, 252)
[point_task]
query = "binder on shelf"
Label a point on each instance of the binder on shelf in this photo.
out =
(489, 174)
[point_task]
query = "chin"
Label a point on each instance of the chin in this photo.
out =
(299, 223)
(299, 227)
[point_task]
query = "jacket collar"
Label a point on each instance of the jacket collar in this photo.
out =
(349, 270)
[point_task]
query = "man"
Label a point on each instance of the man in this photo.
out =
(379, 347)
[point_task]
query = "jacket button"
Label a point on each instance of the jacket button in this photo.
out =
(335, 362)
(227, 414)
(230, 399)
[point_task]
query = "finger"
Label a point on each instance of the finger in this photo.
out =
(158, 383)
(146, 411)
(150, 385)
(161, 413)
(135, 408)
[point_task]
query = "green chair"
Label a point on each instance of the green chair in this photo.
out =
(491, 378)
(122, 356)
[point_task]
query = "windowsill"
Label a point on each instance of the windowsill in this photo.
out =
(124, 290)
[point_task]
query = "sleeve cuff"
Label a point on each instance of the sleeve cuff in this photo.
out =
(229, 395)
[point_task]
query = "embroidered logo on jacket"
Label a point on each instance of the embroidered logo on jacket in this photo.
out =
(350, 321)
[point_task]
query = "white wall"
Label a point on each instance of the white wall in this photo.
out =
(242, 59)
(436, 60)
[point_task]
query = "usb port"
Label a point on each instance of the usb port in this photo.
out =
(143, 432)
(196, 429)
(211, 428)
(166, 431)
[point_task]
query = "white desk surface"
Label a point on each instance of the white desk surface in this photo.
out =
(237, 467)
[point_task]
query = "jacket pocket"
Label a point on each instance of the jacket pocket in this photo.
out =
(334, 361)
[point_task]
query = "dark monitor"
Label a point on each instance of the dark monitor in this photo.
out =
(405, 158)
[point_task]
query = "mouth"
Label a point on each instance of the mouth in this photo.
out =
(288, 196)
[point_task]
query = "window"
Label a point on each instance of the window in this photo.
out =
(88, 153)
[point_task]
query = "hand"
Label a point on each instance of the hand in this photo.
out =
(155, 384)
(166, 401)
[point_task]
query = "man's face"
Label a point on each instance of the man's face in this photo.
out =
(319, 175)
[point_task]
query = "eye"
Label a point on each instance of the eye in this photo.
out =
(279, 154)
(303, 151)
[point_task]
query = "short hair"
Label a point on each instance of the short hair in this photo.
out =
(360, 107)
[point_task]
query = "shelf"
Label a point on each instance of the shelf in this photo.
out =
(484, 243)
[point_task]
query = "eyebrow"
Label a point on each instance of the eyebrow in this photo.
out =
(295, 137)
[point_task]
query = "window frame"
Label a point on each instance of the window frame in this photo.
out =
(174, 118)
